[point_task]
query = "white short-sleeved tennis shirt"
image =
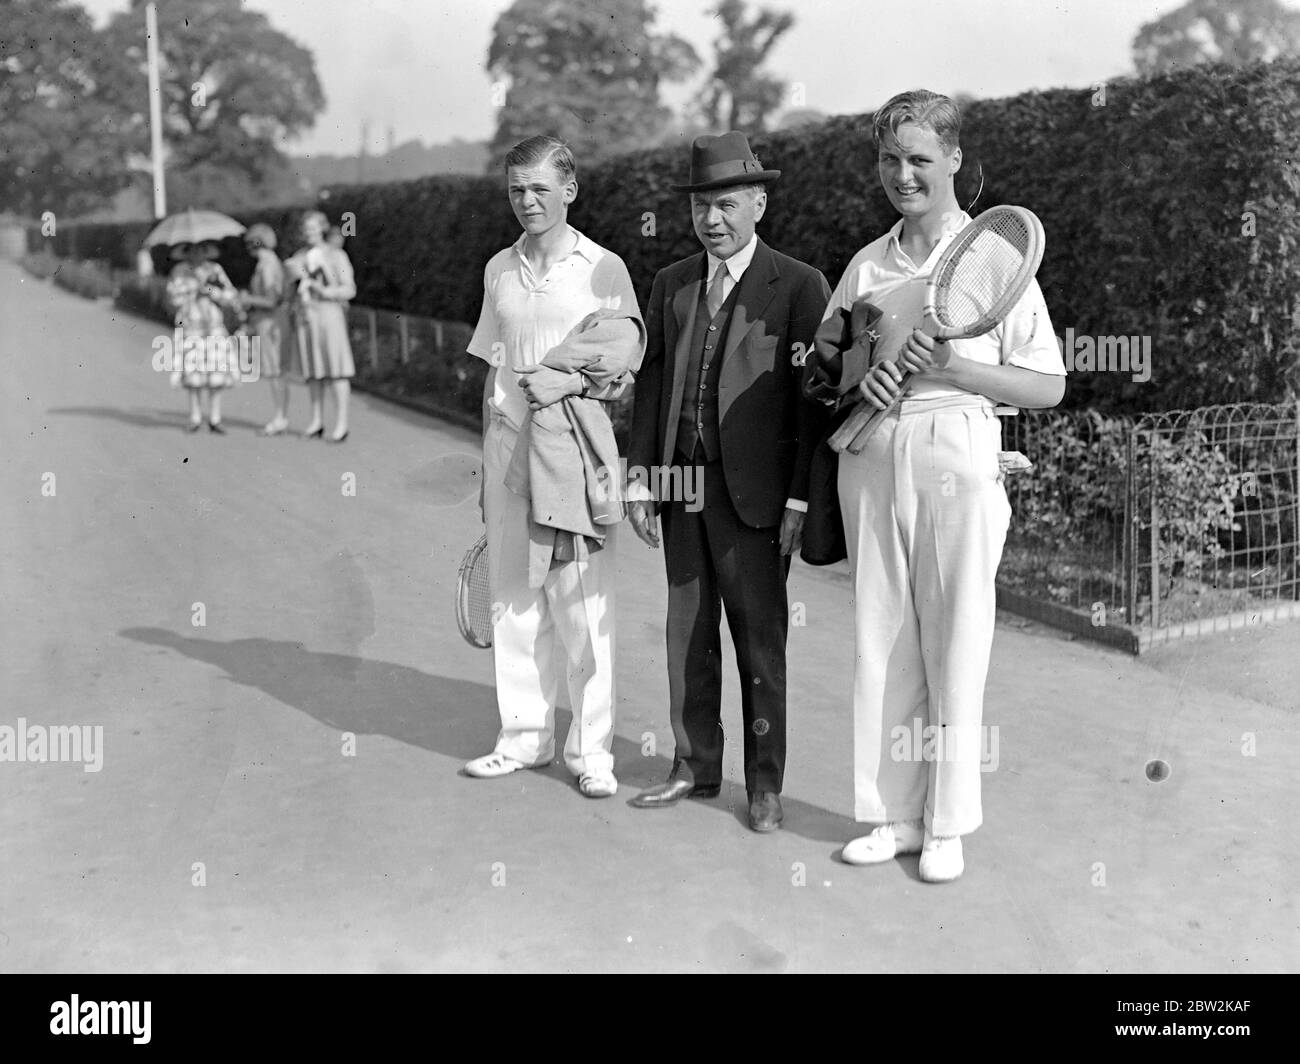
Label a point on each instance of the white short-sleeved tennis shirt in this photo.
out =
(524, 317)
(884, 274)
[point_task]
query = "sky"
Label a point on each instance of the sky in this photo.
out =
(416, 66)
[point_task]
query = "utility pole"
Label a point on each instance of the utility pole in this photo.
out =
(155, 111)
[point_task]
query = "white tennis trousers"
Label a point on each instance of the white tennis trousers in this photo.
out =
(925, 519)
(553, 644)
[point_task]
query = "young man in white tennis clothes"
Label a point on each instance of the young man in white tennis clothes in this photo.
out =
(561, 635)
(925, 513)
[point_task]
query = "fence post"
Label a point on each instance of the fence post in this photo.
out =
(374, 338)
(405, 344)
(1130, 528)
(1155, 539)
(437, 335)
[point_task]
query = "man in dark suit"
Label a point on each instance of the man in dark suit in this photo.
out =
(719, 404)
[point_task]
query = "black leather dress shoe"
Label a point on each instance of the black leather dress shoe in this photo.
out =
(765, 812)
(665, 794)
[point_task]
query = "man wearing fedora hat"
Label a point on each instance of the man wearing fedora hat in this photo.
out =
(719, 394)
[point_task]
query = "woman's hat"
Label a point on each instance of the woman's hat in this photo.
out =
(724, 161)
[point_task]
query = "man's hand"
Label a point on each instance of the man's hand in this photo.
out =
(791, 530)
(924, 355)
(643, 523)
(543, 386)
(881, 385)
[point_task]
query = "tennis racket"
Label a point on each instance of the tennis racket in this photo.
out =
(976, 282)
(473, 598)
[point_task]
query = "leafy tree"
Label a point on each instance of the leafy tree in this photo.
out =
(232, 86)
(739, 95)
(59, 146)
(1224, 31)
(588, 73)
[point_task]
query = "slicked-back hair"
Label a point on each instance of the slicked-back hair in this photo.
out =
(929, 110)
(543, 149)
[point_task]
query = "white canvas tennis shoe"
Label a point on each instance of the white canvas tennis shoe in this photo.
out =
(492, 765)
(598, 784)
(884, 843)
(941, 859)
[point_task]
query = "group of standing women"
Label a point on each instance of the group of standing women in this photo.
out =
(296, 309)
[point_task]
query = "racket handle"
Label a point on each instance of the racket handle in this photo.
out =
(848, 432)
(852, 436)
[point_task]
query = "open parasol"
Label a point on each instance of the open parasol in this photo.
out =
(192, 227)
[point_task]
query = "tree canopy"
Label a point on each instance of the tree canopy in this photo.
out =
(61, 142)
(232, 86)
(739, 95)
(588, 73)
(1217, 31)
(74, 104)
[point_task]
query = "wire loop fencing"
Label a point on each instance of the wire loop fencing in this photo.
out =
(1138, 530)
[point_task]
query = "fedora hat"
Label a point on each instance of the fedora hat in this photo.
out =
(723, 161)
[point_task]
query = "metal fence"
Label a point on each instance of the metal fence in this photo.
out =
(386, 338)
(1140, 530)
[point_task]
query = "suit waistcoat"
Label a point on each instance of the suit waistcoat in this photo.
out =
(698, 420)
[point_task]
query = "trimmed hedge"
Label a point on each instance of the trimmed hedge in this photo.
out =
(86, 277)
(1142, 198)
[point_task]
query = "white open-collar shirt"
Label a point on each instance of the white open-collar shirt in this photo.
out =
(884, 274)
(524, 316)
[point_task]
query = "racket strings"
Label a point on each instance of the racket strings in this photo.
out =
(480, 596)
(474, 596)
(977, 277)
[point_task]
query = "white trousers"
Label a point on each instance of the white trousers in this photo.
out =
(552, 644)
(925, 519)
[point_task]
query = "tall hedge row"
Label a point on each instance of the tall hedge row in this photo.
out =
(1170, 206)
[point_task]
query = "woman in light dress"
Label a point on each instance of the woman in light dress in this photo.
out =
(263, 301)
(323, 284)
(197, 289)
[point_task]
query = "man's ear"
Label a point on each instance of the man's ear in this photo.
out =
(760, 205)
(955, 163)
(571, 191)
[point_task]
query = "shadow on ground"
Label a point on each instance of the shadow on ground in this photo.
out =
(449, 716)
(145, 418)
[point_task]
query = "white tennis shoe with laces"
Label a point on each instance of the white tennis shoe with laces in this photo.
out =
(884, 843)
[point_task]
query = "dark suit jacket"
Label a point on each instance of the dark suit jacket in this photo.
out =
(768, 429)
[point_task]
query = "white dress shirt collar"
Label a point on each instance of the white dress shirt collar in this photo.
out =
(738, 263)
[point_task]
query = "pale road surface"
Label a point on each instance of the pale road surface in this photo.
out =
(229, 830)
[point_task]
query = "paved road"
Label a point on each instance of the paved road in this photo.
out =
(325, 614)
